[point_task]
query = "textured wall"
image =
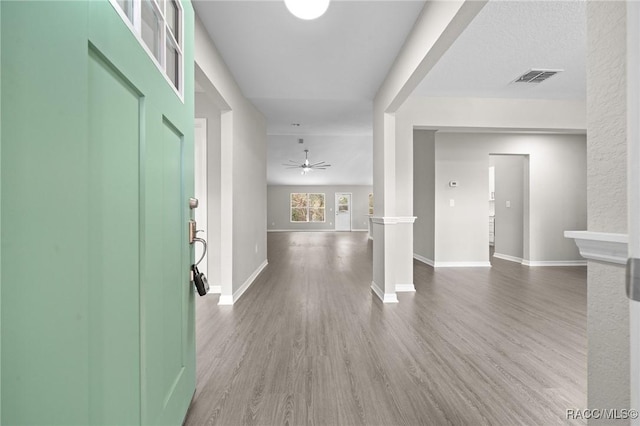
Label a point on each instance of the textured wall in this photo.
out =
(608, 310)
(606, 117)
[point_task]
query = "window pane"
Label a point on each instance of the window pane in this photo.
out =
(343, 208)
(127, 8)
(299, 215)
(342, 200)
(316, 200)
(298, 200)
(151, 29)
(317, 215)
(371, 204)
(173, 19)
(173, 65)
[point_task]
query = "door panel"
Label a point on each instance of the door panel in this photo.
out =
(343, 212)
(97, 309)
(114, 290)
(166, 287)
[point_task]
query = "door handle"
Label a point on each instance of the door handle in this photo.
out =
(204, 252)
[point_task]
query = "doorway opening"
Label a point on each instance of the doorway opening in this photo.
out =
(509, 207)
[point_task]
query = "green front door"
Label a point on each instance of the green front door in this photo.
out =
(97, 311)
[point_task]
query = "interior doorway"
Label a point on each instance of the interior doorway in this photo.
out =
(509, 207)
(200, 189)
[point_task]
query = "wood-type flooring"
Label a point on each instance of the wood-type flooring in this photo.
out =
(309, 343)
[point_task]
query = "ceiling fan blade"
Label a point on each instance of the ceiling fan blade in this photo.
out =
(316, 164)
(292, 161)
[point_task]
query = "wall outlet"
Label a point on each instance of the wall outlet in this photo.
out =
(330, 223)
(508, 204)
(273, 224)
(256, 248)
(452, 202)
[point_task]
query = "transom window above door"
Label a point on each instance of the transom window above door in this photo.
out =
(158, 26)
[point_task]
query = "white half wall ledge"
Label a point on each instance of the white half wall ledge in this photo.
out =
(393, 220)
(601, 246)
(385, 297)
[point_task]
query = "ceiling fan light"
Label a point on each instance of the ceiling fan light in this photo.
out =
(307, 9)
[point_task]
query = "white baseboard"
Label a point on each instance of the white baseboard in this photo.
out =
(405, 288)
(215, 289)
(301, 230)
(385, 297)
(438, 264)
(508, 257)
(314, 230)
(423, 259)
(526, 262)
(230, 300)
(225, 300)
(554, 262)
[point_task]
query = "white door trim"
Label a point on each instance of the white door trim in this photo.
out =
(201, 187)
(633, 189)
(338, 194)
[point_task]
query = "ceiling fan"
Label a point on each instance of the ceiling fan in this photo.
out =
(306, 166)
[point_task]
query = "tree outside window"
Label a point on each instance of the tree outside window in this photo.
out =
(307, 207)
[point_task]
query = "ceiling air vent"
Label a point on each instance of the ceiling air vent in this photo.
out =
(536, 76)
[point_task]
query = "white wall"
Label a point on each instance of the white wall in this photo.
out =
(608, 307)
(243, 173)
(509, 221)
(557, 167)
(424, 181)
(278, 202)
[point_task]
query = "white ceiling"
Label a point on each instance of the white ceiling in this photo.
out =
(325, 73)
(505, 40)
(322, 74)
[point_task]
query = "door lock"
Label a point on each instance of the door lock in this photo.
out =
(192, 231)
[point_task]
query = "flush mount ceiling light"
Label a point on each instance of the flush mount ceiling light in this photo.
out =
(307, 9)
